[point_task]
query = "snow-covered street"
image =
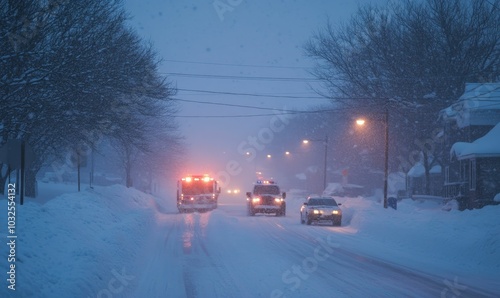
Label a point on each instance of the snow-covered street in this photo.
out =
(224, 253)
(119, 242)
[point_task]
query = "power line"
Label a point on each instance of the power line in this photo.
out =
(228, 104)
(251, 78)
(261, 108)
(281, 111)
(289, 79)
(252, 94)
(236, 65)
(226, 116)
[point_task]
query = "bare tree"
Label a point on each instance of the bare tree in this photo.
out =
(411, 57)
(71, 73)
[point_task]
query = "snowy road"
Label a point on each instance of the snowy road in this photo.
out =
(225, 253)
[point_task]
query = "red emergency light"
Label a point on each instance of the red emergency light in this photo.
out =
(205, 178)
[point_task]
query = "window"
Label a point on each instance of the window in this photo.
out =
(463, 171)
(472, 174)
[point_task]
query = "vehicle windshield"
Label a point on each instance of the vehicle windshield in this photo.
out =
(322, 202)
(197, 188)
(266, 189)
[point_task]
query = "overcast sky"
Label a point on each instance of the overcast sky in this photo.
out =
(234, 39)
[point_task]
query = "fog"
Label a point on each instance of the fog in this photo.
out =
(230, 46)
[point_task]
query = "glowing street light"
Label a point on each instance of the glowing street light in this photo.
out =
(361, 122)
(325, 141)
(287, 152)
(269, 156)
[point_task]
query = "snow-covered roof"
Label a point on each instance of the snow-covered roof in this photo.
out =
(479, 105)
(486, 146)
(418, 170)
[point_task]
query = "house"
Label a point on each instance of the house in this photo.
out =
(477, 168)
(474, 113)
(471, 132)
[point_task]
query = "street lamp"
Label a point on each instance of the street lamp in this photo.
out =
(360, 121)
(385, 120)
(325, 141)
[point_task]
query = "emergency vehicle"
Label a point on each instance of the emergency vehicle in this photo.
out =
(197, 193)
(266, 197)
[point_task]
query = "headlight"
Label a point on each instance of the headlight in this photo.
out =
(278, 200)
(256, 200)
(316, 211)
(335, 212)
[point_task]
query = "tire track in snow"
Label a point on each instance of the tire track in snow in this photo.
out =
(205, 273)
(160, 274)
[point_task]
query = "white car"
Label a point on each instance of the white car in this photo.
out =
(321, 209)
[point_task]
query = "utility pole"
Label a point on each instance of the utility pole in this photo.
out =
(386, 168)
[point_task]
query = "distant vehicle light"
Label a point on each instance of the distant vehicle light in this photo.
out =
(188, 179)
(256, 200)
(229, 191)
(335, 212)
(316, 211)
(206, 179)
(265, 182)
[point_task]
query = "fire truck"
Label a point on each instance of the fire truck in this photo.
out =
(197, 193)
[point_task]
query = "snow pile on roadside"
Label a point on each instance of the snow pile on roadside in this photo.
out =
(75, 245)
(452, 243)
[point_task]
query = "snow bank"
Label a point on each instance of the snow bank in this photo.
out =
(464, 244)
(75, 244)
(451, 243)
